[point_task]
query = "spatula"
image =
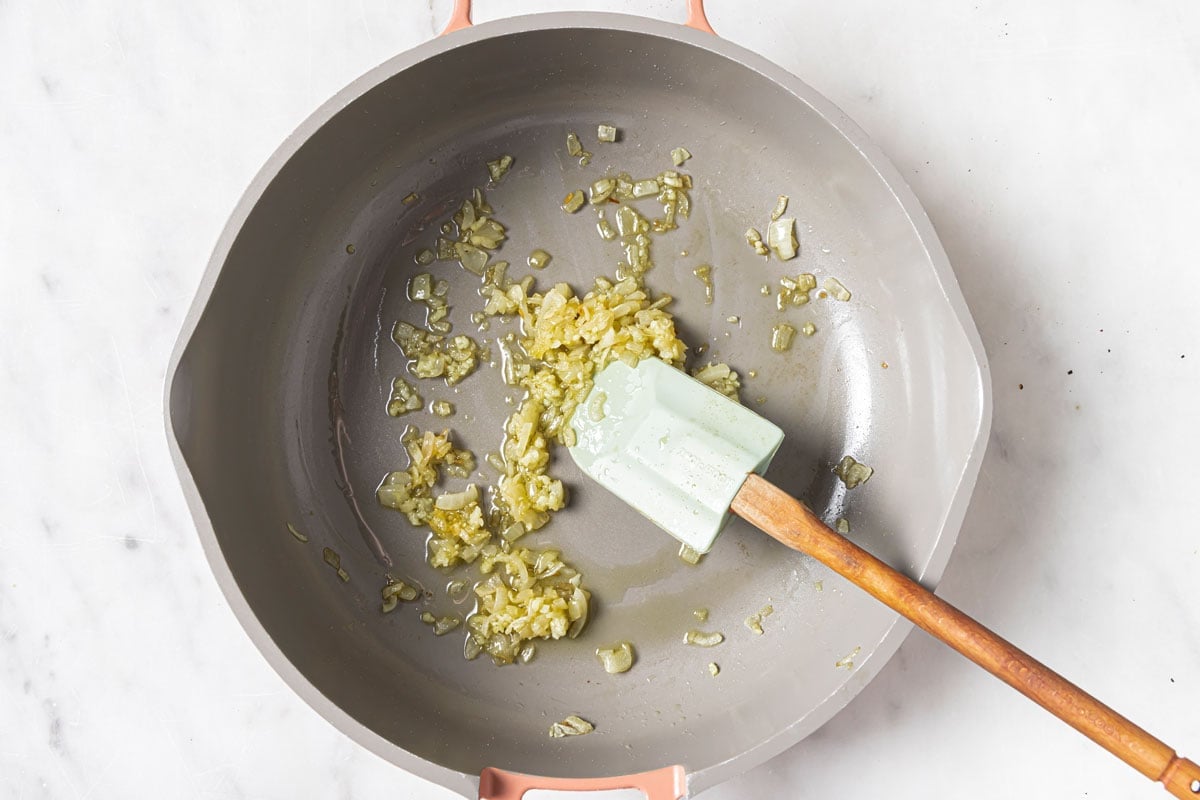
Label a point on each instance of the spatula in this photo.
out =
(687, 457)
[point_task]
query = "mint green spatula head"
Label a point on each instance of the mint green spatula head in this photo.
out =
(673, 448)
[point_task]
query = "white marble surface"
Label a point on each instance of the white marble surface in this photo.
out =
(1055, 147)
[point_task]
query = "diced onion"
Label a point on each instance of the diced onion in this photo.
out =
(473, 259)
(848, 661)
(754, 238)
(754, 621)
(574, 148)
(680, 155)
(836, 290)
(852, 473)
(538, 259)
(300, 537)
(704, 273)
(616, 659)
(404, 398)
(394, 592)
(456, 501)
(702, 639)
(573, 202)
(606, 133)
(721, 378)
(596, 405)
(781, 238)
(645, 188)
(780, 207)
(571, 726)
(335, 561)
(499, 167)
(781, 337)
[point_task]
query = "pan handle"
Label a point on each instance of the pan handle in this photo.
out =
(460, 17)
(668, 783)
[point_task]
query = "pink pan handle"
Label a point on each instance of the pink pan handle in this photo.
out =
(460, 17)
(668, 783)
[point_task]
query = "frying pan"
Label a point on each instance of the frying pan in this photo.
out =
(277, 387)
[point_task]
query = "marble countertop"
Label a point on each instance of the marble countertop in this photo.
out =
(1055, 148)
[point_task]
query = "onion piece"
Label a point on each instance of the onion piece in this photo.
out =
(780, 207)
(300, 537)
(754, 621)
(808, 329)
(781, 337)
(443, 408)
(538, 259)
(781, 237)
(334, 560)
(472, 258)
(853, 473)
(596, 406)
(498, 168)
(701, 614)
(680, 155)
(616, 659)
(606, 133)
(441, 625)
(836, 290)
(645, 188)
(456, 501)
(605, 228)
(843, 526)
(420, 287)
(848, 661)
(601, 190)
(394, 592)
(573, 202)
(704, 273)
(404, 398)
(702, 639)
(713, 669)
(689, 555)
(574, 148)
(754, 238)
(412, 198)
(573, 725)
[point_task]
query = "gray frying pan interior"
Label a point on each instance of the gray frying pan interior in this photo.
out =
(287, 316)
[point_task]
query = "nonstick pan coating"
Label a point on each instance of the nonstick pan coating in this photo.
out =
(277, 396)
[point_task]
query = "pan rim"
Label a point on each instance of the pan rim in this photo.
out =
(930, 573)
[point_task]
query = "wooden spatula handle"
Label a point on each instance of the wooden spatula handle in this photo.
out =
(774, 511)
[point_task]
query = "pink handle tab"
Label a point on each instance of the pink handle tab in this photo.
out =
(668, 783)
(460, 17)
(696, 18)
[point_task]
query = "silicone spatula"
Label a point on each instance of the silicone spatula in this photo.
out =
(686, 457)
